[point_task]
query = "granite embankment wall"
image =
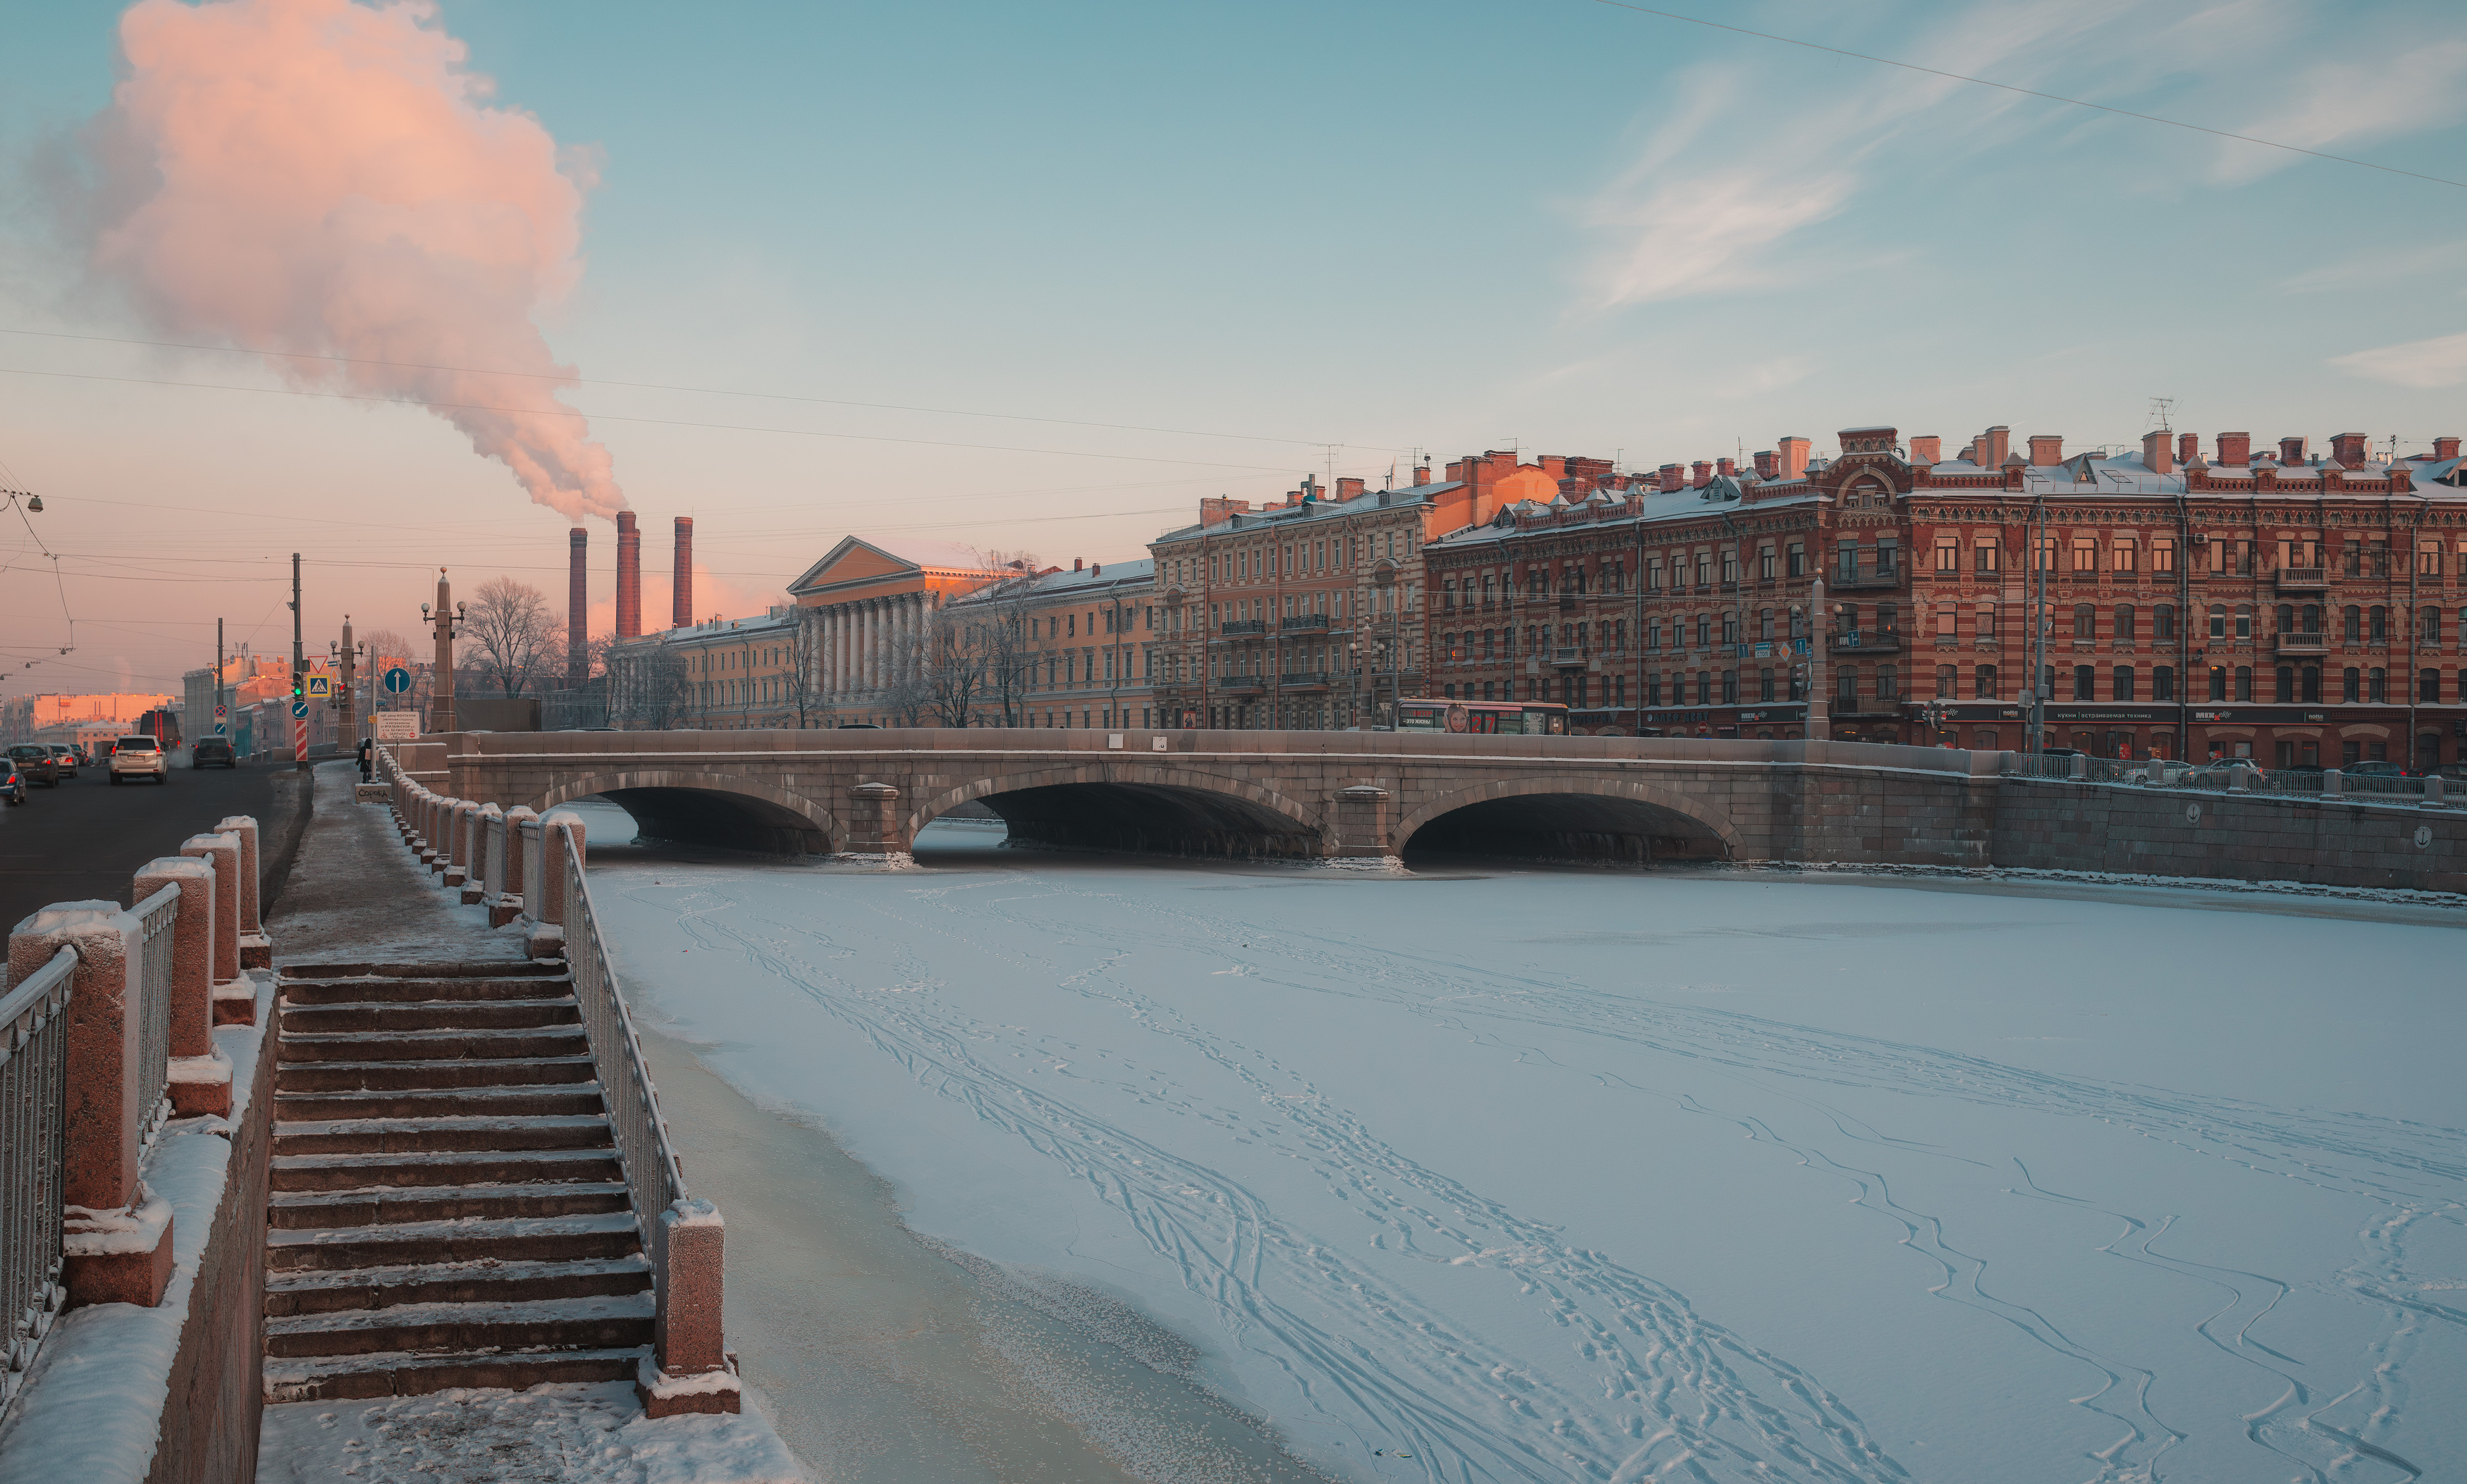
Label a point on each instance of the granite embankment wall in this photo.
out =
(2050, 825)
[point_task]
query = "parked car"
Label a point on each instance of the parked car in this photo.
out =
(214, 753)
(139, 756)
(68, 760)
(15, 790)
(37, 764)
(2376, 770)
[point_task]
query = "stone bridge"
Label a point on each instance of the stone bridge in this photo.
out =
(1296, 794)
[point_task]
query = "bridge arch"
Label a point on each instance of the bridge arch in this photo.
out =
(708, 808)
(1126, 805)
(1570, 816)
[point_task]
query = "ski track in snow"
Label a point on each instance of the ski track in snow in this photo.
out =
(1665, 1391)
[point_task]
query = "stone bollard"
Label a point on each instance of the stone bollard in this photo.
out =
(255, 951)
(2333, 783)
(2080, 772)
(688, 1370)
(558, 835)
(116, 1235)
(2432, 791)
(201, 1076)
(486, 872)
(513, 867)
(2239, 778)
(458, 842)
(235, 997)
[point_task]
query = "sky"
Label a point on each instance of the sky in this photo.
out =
(1042, 278)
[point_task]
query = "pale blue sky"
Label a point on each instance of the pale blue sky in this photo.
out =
(1443, 225)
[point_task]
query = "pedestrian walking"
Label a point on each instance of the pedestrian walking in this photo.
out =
(368, 759)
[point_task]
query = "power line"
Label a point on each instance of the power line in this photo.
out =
(657, 386)
(554, 411)
(2053, 98)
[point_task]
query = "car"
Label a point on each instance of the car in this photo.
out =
(68, 759)
(2377, 769)
(37, 764)
(139, 756)
(213, 753)
(14, 789)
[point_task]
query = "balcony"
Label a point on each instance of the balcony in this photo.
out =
(1237, 627)
(1305, 680)
(1853, 582)
(1864, 641)
(1244, 683)
(1568, 657)
(1317, 621)
(2302, 644)
(2301, 580)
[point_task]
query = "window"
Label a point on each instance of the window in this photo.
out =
(2085, 553)
(1764, 564)
(1765, 684)
(2218, 682)
(2377, 685)
(1888, 560)
(2085, 683)
(2351, 624)
(2162, 555)
(1982, 684)
(2309, 684)
(1847, 561)
(2285, 689)
(1944, 620)
(2163, 624)
(2163, 682)
(2428, 624)
(2128, 626)
(2351, 683)
(2124, 557)
(2311, 618)
(1730, 565)
(1985, 633)
(2377, 624)
(1847, 687)
(2244, 682)
(2428, 686)
(2123, 682)
(2428, 558)
(2045, 550)
(1947, 682)
(1798, 559)
(1948, 554)
(2286, 619)
(1987, 554)
(2218, 620)
(2244, 621)
(2085, 621)
(1730, 687)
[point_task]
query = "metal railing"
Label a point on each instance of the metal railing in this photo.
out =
(649, 1159)
(155, 917)
(33, 1102)
(2224, 776)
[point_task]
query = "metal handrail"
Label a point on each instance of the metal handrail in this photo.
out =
(654, 1175)
(155, 917)
(33, 1104)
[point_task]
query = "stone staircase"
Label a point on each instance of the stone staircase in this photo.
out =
(447, 1209)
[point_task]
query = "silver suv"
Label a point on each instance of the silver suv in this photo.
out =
(139, 756)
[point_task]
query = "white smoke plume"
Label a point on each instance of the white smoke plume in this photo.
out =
(328, 177)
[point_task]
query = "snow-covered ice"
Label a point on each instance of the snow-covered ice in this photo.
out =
(1546, 1174)
(575, 1433)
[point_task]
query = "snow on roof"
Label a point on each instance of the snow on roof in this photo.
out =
(1316, 509)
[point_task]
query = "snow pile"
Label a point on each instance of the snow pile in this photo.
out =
(592, 1434)
(1545, 1174)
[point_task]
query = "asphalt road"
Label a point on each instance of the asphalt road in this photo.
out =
(85, 839)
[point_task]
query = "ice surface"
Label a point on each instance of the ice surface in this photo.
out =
(1532, 1174)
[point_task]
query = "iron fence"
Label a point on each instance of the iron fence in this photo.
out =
(34, 1101)
(649, 1159)
(155, 918)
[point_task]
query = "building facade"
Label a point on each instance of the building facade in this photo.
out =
(724, 675)
(1080, 650)
(2296, 609)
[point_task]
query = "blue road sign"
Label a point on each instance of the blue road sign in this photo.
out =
(299, 710)
(219, 728)
(398, 680)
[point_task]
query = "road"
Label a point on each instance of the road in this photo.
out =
(85, 839)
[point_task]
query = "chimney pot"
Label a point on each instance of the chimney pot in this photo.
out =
(629, 577)
(1995, 443)
(2156, 453)
(578, 606)
(1794, 455)
(2348, 450)
(2446, 448)
(1703, 475)
(1421, 474)
(2235, 449)
(1725, 467)
(1766, 463)
(681, 608)
(1927, 450)
(2188, 448)
(2291, 450)
(1076, 565)
(1673, 476)
(2047, 448)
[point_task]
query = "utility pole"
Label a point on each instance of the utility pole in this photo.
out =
(441, 686)
(218, 668)
(299, 678)
(345, 729)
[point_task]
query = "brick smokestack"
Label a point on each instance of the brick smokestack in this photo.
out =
(682, 614)
(577, 607)
(629, 577)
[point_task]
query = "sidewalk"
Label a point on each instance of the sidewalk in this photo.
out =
(356, 896)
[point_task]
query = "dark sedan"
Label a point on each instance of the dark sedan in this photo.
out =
(36, 764)
(213, 753)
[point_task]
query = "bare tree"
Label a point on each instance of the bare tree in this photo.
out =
(509, 626)
(802, 684)
(647, 688)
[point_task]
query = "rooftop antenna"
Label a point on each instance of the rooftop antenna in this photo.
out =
(2163, 413)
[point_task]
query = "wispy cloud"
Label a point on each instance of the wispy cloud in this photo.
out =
(2344, 102)
(1701, 234)
(1760, 377)
(2379, 266)
(2420, 364)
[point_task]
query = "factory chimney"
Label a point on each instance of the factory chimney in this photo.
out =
(682, 611)
(577, 607)
(629, 577)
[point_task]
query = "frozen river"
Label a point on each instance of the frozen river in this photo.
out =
(1526, 1175)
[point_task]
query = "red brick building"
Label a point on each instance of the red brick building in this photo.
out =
(2294, 608)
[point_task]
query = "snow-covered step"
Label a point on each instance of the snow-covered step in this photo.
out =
(417, 1135)
(316, 1290)
(405, 1045)
(362, 1016)
(445, 1072)
(598, 1322)
(351, 1377)
(526, 1239)
(383, 1206)
(347, 991)
(564, 1100)
(444, 1167)
(425, 973)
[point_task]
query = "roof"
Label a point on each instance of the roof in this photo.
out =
(1280, 516)
(892, 555)
(1063, 586)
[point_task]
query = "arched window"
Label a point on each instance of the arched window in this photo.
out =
(2312, 619)
(1888, 682)
(2085, 621)
(2218, 681)
(2377, 621)
(2244, 682)
(1765, 627)
(2310, 692)
(2286, 688)
(2377, 684)
(1984, 683)
(2123, 682)
(2085, 683)
(2163, 624)
(2218, 620)
(2163, 682)
(2351, 683)
(2351, 624)
(2128, 625)
(2244, 621)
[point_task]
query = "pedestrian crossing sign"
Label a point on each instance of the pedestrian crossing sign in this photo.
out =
(321, 688)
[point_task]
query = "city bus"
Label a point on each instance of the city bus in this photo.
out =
(1530, 718)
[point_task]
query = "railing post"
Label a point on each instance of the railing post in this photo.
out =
(2432, 791)
(458, 842)
(486, 869)
(2080, 772)
(2333, 783)
(688, 1370)
(234, 999)
(254, 951)
(201, 1077)
(117, 1235)
(513, 869)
